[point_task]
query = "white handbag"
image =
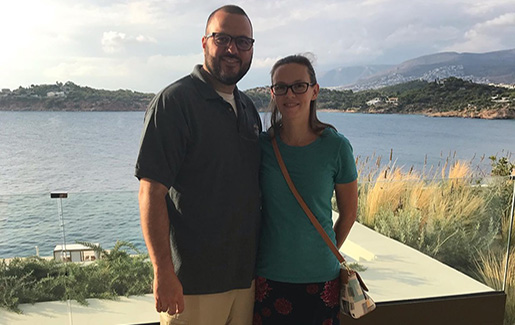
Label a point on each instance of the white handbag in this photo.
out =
(354, 300)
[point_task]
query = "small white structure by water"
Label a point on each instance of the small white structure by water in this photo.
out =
(75, 253)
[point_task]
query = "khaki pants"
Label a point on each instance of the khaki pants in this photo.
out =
(233, 307)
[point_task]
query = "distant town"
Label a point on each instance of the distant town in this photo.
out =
(449, 97)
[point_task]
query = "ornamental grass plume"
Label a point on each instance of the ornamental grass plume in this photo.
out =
(446, 212)
(394, 189)
(491, 267)
(386, 192)
(459, 171)
(455, 197)
(447, 218)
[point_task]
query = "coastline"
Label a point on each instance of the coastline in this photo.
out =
(500, 114)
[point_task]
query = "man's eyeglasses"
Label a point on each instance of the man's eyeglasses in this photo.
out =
(297, 88)
(243, 43)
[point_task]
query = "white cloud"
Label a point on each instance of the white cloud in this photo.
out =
(414, 33)
(114, 42)
(493, 34)
(175, 63)
(145, 39)
(506, 20)
(145, 44)
(80, 68)
(480, 8)
(264, 62)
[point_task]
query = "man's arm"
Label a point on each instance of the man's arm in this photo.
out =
(155, 225)
(347, 201)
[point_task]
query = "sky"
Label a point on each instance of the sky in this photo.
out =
(145, 45)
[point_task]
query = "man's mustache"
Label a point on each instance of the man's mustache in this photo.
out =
(232, 56)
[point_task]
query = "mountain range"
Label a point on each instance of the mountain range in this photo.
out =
(492, 67)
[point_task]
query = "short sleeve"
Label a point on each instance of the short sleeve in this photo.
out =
(346, 164)
(163, 141)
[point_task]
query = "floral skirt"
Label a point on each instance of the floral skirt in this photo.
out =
(296, 304)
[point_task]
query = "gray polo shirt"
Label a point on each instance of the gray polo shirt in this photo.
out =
(208, 157)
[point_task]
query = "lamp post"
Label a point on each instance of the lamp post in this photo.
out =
(60, 195)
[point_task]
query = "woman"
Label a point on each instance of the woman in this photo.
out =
(297, 274)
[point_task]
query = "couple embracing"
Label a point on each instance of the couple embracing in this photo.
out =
(228, 241)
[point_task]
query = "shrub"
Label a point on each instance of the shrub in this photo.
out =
(33, 279)
(453, 217)
(445, 218)
(503, 194)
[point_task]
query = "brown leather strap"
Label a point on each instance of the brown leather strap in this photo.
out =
(303, 204)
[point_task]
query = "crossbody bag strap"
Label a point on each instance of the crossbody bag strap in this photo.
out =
(303, 204)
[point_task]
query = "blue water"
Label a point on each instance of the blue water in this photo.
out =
(91, 155)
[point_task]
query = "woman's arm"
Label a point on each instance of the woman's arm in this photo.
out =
(347, 201)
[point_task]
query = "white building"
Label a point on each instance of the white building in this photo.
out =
(75, 253)
(58, 94)
(374, 102)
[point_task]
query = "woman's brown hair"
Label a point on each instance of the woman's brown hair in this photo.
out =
(276, 120)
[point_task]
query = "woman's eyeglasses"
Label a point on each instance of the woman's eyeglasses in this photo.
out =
(243, 43)
(298, 88)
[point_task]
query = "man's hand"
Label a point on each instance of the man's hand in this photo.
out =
(155, 226)
(168, 293)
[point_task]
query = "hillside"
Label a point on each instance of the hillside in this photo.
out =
(492, 67)
(71, 97)
(448, 97)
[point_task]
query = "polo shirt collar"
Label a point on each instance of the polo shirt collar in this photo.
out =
(207, 91)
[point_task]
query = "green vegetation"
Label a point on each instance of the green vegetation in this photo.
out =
(491, 269)
(491, 264)
(441, 96)
(116, 274)
(448, 97)
(435, 216)
(454, 217)
(71, 97)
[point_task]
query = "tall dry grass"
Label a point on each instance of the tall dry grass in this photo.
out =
(505, 192)
(446, 216)
(491, 269)
(453, 212)
(506, 223)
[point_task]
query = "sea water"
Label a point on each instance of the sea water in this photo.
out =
(91, 156)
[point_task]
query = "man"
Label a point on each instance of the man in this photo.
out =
(198, 167)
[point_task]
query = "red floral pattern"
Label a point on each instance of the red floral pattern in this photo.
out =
(262, 288)
(280, 303)
(331, 293)
(283, 306)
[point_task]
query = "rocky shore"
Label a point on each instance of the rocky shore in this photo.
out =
(487, 114)
(140, 104)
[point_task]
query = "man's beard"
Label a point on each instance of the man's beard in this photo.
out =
(213, 65)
